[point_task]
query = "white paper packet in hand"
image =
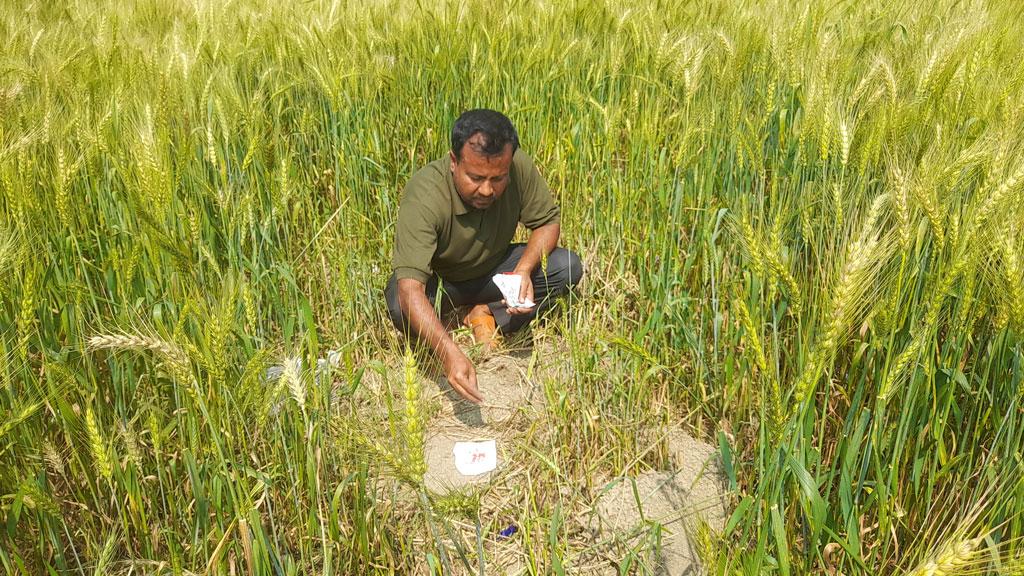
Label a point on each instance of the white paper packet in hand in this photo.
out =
(509, 285)
(473, 458)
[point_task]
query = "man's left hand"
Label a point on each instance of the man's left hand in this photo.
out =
(525, 293)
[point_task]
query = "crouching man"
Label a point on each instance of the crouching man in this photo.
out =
(454, 232)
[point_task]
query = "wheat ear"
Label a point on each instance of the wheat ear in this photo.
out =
(414, 425)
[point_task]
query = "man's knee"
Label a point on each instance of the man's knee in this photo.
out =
(394, 307)
(564, 267)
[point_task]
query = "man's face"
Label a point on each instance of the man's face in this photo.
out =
(479, 179)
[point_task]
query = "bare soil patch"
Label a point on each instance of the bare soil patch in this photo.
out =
(650, 517)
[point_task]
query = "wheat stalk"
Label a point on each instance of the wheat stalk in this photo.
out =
(36, 499)
(246, 535)
(994, 200)
(155, 432)
(219, 333)
(136, 342)
(176, 359)
(414, 424)
(291, 377)
(100, 455)
(848, 298)
(10, 251)
(27, 310)
(951, 559)
(775, 412)
(15, 417)
(845, 140)
(249, 303)
(931, 210)
(53, 458)
(1013, 275)
(923, 330)
(760, 253)
(752, 246)
(131, 445)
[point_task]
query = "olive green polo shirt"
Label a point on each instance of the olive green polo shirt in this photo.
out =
(436, 233)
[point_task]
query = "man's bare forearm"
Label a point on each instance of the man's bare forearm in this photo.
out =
(541, 242)
(425, 324)
(422, 320)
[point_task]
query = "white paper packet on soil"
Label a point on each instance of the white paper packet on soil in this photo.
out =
(509, 285)
(474, 458)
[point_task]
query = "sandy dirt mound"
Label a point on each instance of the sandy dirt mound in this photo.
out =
(699, 465)
(632, 510)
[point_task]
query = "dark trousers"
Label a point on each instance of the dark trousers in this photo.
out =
(563, 271)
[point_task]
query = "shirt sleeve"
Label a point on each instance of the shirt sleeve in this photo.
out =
(415, 239)
(538, 206)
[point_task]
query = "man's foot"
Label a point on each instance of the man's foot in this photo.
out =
(480, 320)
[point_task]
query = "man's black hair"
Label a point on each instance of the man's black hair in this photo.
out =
(494, 127)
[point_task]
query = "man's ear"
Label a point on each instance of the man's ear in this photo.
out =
(454, 160)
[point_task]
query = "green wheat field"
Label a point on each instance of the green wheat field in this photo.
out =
(800, 222)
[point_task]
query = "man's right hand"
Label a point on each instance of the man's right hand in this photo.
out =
(462, 376)
(425, 324)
